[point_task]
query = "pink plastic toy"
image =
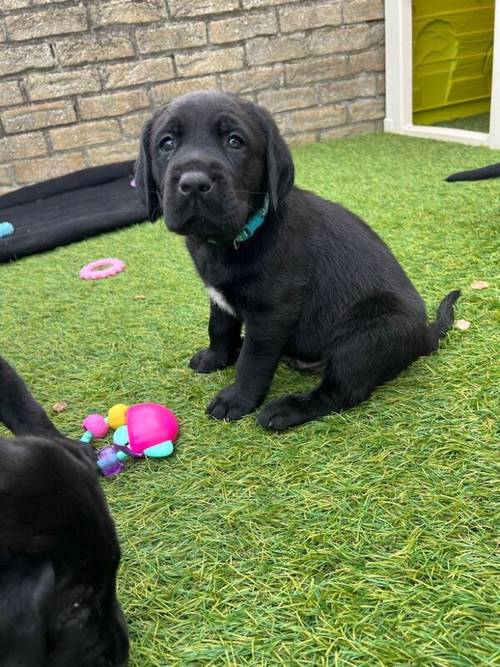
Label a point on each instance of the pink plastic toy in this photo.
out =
(102, 268)
(149, 431)
(96, 424)
(150, 424)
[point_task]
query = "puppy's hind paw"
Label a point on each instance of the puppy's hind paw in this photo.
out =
(284, 413)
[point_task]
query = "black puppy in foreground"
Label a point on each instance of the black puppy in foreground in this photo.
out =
(59, 553)
(307, 278)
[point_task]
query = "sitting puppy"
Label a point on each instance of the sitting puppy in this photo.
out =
(59, 553)
(307, 278)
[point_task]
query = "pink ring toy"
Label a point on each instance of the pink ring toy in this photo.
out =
(102, 268)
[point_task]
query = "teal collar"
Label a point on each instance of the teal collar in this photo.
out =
(252, 225)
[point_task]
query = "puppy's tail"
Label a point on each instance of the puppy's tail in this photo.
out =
(444, 318)
(491, 171)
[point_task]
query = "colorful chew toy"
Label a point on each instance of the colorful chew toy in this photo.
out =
(142, 430)
(102, 268)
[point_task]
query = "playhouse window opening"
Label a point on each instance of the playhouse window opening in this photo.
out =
(452, 42)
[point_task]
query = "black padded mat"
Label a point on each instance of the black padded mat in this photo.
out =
(68, 209)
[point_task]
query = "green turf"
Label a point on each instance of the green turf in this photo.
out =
(366, 538)
(478, 123)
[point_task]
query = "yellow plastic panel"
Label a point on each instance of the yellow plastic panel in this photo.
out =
(452, 58)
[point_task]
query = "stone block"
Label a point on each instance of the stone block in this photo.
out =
(33, 25)
(51, 85)
(185, 35)
(85, 134)
(111, 12)
(113, 104)
(32, 171)
(303, 17)
(210, 62)
(139, 72)
(16, 59)
(35, 116)
(243, 27)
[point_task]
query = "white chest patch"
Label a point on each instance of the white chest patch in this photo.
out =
(220, 300)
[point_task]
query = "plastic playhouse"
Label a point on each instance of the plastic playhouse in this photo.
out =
(452, 59)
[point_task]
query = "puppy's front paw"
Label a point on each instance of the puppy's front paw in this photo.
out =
(283, 413)
(230, 404)
(207, 361)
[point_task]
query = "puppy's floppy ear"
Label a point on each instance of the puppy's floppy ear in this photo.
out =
(279, 163)
(144, 181)
(24, 609)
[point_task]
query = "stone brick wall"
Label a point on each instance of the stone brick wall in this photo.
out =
(78, 77)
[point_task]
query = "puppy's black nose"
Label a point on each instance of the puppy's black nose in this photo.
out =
(195, 182)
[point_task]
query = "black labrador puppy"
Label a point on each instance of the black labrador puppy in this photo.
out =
(307, 278)
(59, 553)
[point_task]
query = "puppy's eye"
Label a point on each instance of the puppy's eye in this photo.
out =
(167, 144)
(234, 141)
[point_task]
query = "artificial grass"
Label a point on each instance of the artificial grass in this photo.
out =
(477, 123)
(365, 538)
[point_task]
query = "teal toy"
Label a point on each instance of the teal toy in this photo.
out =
(6, 229)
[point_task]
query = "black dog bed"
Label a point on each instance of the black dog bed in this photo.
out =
(70, 208)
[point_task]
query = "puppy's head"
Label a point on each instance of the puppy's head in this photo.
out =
(207, 161)
(59, 555)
